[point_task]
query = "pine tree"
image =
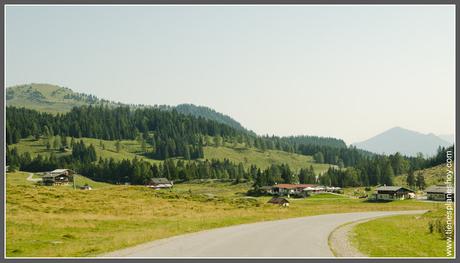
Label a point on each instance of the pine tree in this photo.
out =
(318, 157)
(118, 146)
(420, 181)
(387, 175)
(410, 180)
(187, 153)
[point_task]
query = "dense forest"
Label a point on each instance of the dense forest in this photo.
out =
(170, 133)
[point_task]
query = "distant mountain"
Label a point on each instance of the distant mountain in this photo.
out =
(55, 99)
(405, 141)
(447, 137)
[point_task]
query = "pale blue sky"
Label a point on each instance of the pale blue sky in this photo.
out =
(343, 71)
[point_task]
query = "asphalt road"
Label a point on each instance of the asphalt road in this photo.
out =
(295, 237)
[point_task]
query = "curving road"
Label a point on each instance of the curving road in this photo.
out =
(295, 237)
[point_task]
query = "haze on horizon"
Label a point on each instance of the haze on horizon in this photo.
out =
(348, 72)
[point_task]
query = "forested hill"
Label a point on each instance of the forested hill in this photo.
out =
(55, 99)
(315, 140)
(207, 113)
(172, 134)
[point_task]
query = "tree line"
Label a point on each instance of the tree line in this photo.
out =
(171, 134)
(83, 159)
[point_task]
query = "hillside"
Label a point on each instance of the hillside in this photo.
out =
(208, 113)
(55, 99)
(49, 98)
(131, 149)
(264, 159)
(405, 141)
(433, 176)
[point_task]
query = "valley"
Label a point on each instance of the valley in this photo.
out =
(219, 172)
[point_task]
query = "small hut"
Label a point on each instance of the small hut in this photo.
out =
(86, 187)
(279, 201)
(159, 183)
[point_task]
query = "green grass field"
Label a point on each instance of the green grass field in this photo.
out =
(400, 236)
(59, 221)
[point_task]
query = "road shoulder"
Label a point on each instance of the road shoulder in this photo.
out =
(340, 240)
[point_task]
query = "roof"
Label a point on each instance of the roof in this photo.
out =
(278, 200)
(292, 186)
(392, 188)
(160, 181)
(442, 189)
(56, 171)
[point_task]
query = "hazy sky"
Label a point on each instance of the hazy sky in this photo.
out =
(343, 71)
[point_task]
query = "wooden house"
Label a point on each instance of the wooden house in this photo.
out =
(389, 193)
(439, 193)
(58, 177)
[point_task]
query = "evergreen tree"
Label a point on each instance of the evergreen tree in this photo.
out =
(420, 181)
(410, 180)
(118, 146)
(387, 175)
(318, 157)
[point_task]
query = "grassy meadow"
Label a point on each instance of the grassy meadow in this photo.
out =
(60, 221)
(400, 236)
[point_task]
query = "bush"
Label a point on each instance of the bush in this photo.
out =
(439, 226)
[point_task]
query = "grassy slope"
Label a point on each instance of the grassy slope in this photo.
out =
(60, 221)
(389, 236)
(132, 148)
(434, 175)
(263, 159)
